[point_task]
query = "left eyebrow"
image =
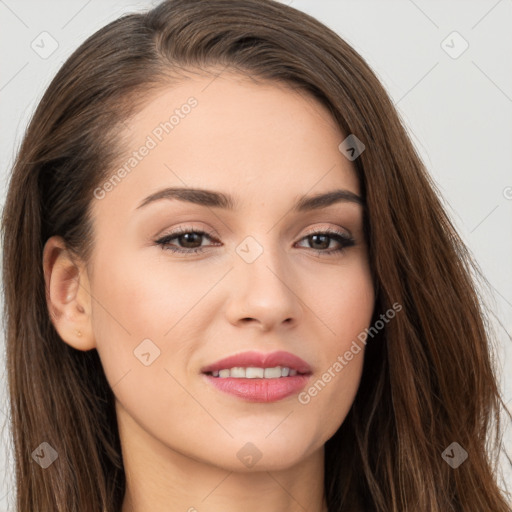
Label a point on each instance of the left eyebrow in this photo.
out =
(308, 203)
(215, 199)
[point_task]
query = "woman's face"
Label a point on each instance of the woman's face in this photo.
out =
(262, 282)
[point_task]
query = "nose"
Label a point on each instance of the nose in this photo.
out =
(264, 293)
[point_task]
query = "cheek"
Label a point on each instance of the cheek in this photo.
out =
(343, 299)
(149, 319)
(134, 307)
(140, 320)
(140, 297)
(346, 310)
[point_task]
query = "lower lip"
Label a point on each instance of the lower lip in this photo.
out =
(259, 390)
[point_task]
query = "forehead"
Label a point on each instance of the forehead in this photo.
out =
(258, 141)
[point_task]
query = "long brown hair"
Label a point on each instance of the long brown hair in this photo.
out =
(428, 377)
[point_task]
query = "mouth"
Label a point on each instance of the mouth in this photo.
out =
(254, 372)
(254, 364)
(258, 377)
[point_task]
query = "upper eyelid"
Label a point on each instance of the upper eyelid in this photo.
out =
(182, 230)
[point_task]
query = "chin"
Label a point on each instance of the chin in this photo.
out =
(267, 454)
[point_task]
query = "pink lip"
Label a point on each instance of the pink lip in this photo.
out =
(260, 390)
(260, 360)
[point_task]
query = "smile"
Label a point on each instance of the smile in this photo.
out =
(253, 372)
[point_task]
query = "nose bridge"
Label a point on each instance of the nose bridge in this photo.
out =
(258, 254)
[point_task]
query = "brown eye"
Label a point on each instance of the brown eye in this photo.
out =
(320, 241)
(188, 241)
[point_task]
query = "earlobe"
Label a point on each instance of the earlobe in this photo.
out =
(67, 295)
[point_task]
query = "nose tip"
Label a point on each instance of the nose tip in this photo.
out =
(266, 302)
(265, 327)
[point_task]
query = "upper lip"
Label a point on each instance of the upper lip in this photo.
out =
(260, 360)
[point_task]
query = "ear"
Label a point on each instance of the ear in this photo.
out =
(68, 295)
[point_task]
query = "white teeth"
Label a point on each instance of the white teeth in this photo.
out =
(272, 373)
(237, 372)
(253, 372)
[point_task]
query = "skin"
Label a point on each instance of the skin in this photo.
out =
(266, 145)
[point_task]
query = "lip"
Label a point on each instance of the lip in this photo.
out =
(260, 390)
(260, 360)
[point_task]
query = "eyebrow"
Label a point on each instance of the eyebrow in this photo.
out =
(214, 199)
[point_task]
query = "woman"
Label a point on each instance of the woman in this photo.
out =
(325, 349)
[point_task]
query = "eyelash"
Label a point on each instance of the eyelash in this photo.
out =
(342, 238)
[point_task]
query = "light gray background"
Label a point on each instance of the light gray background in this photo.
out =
(458, 112)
